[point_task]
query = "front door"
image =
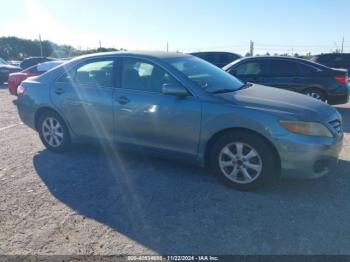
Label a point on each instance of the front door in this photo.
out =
(255, 71)
(146, 117)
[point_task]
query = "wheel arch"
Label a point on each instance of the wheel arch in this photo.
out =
(318, 88)
(43, 110)
(220, 133)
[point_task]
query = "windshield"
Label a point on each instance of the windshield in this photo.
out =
(206, 75)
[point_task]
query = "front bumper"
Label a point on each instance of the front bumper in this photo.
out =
(308, 157)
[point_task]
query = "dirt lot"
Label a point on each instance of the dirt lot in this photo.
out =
(94, 202)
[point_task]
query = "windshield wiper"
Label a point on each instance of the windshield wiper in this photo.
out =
(224, 90)
(228, 90)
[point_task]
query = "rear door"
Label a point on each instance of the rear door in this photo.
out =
(285, 74)
(84, 96)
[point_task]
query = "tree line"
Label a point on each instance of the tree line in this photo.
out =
(14, 48)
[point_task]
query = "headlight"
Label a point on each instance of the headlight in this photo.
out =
(306, 128)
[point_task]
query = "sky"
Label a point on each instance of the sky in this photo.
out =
(275, 26)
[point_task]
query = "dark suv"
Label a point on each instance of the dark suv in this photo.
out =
(32, 61)
(333, 60)
(220, 59)
(294, 74)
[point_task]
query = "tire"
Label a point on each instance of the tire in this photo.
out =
(315, 93)
(53, 132)
(258, 155)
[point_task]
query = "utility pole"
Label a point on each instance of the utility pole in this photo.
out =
(41, 46)
(342, 46)
(167, 46)
(337, 49)
(251, 48)
(99, 42)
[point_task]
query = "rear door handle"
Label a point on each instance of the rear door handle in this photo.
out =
(122, 100)
(59, 91)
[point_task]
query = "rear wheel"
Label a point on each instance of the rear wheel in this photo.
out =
(315, 93)
(53, 132)
(243, 161)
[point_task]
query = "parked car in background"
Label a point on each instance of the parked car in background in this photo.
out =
(294, 74)
(15, 79)
(186, 108)
(6, 69)
(31, 61)
(14, 62)
(334, 60)
(220, 59)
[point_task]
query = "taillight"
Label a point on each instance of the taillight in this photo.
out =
(20, 90)
(342, 79)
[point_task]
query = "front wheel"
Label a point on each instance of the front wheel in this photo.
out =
(243, 161)
(53, 132)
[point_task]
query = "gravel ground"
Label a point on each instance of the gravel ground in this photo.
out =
(92, 201)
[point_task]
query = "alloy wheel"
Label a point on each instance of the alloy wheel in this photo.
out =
(240, 163)
(315, 95)
(52, 132)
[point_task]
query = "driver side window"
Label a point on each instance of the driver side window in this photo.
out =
(253, 68)
(144, 76)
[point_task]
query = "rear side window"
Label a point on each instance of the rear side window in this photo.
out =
(307, 69)
(93, 74)
(251, 68)
(225, 59)
(284, 68)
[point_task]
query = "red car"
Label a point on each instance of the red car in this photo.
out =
(16, 78)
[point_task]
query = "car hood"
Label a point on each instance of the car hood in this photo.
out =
(282, 102)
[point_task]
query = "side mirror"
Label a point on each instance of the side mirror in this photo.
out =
(174, 89)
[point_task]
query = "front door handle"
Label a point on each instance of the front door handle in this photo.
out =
(122, 100)
(59, 91)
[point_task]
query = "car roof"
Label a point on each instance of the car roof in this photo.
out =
(214, 52)
(36, 58)
(48, 65)
(146, 54)
(285, 58)
(333, 54)
(273, 58)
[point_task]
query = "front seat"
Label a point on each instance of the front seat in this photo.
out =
(132, 80)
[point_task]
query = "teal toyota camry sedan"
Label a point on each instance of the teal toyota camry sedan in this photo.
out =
(183, 107)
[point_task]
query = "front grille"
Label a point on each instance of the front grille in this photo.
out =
(337, 126)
